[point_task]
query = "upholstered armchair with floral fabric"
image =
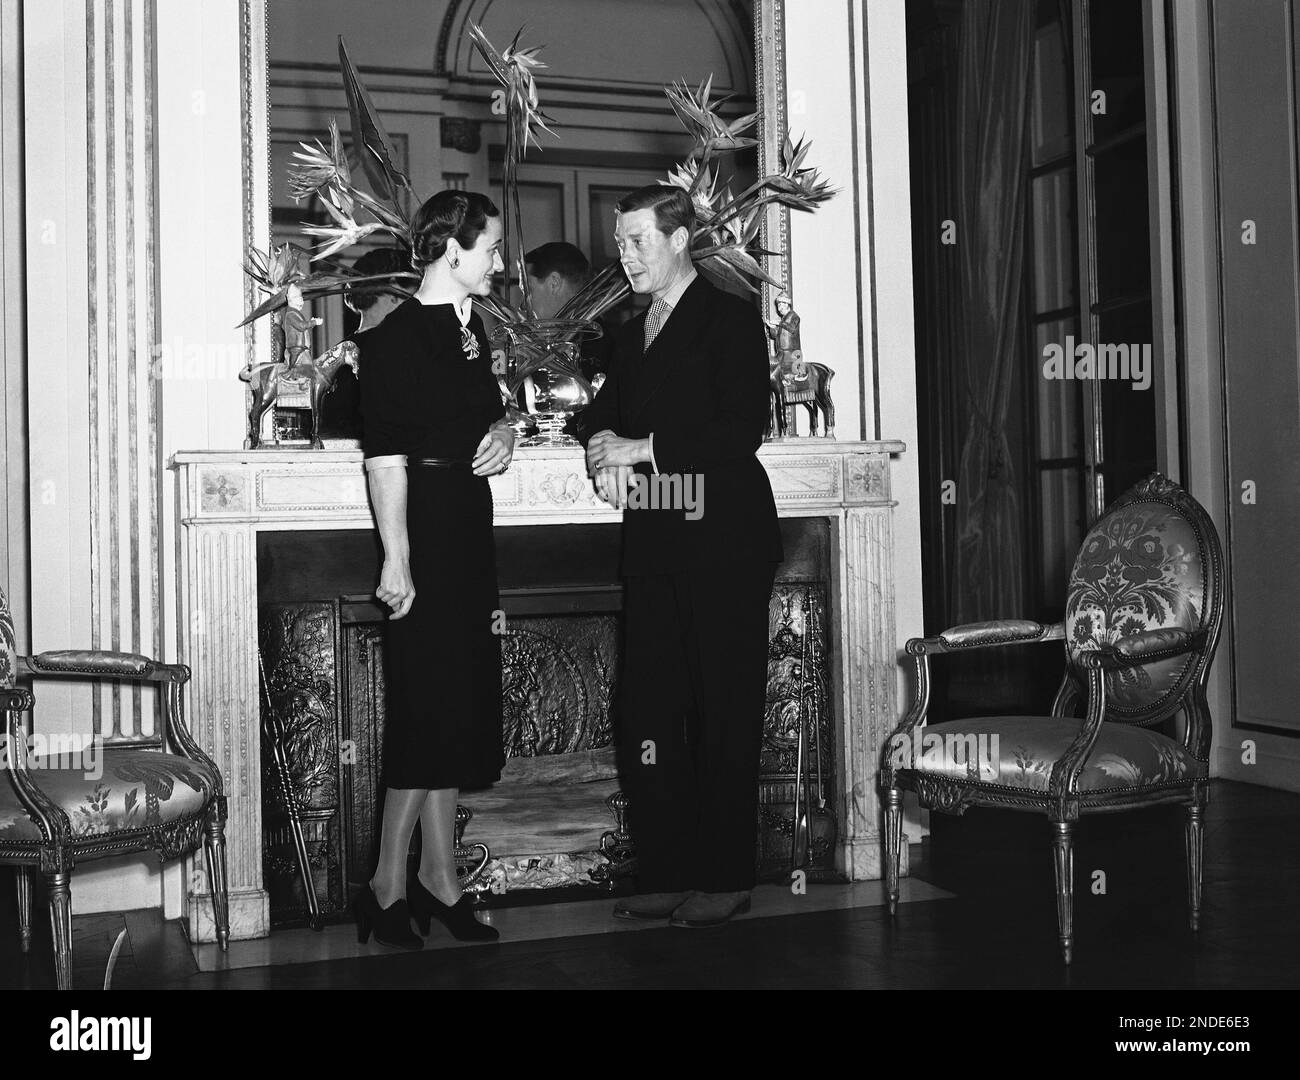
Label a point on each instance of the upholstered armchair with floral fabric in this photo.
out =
(68, 800)
(1141, 625)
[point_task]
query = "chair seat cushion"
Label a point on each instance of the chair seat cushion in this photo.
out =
(1019, 751)
(137, 789)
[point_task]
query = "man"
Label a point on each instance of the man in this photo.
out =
(683, 410)
(556, 273)
(372, 301)
(785, 334)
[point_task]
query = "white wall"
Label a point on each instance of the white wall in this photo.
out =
(1275, 758)
(13, 380)
(851, 261)
(125, 248)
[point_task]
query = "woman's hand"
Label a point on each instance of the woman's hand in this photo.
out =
(612, 483)
(495, 451)
(395, 587)
(605, 449)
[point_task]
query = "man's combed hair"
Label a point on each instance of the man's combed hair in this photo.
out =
(672, 206)
(561, 258)
(388, 260)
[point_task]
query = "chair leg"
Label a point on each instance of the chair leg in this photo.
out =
(893, 844)
(1194, 840)
(58, 883)
(214, 850)
(1063, 850)
(24, 881)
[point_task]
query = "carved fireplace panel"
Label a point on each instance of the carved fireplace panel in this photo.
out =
(558, 684)
(798, 677)
(299, 649)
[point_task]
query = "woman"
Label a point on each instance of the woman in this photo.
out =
(435, 431)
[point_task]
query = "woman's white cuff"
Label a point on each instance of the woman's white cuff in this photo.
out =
(386, 461)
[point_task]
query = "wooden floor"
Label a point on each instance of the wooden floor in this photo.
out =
(998, 932)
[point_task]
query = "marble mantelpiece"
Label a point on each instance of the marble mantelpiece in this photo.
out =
(226, 497)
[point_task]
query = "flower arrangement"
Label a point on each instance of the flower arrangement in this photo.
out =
(725, 245)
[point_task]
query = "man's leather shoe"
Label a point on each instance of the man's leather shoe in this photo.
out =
(658, 905)
(710, 909)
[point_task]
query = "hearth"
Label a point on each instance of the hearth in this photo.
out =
(543, 823)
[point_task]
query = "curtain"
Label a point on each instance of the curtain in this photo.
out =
(993, 135)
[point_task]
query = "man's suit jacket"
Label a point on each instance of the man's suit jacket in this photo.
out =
(702, 389)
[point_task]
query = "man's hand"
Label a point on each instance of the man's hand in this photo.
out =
(395, 587)
(605, 450)
(494, 451)
(612, 483)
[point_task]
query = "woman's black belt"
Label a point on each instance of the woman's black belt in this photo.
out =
(442, 462)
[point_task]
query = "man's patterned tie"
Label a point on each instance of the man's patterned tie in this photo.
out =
(654, 321)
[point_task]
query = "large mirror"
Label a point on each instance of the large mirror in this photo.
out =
(603, 86)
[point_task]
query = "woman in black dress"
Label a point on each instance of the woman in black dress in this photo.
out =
(435, 431)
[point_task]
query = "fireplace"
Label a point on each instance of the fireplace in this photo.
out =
(833, 499)
(320, 649)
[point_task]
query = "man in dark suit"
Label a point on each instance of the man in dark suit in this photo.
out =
(557, 271)
(671, 438)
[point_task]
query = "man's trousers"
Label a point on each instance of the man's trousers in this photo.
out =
(690, 724)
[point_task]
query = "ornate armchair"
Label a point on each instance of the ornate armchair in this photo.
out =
(1141, 625)
(117, 794)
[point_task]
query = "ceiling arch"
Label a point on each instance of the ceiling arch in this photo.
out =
(634, 46)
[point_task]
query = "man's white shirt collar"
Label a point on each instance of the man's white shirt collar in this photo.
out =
(675, 293)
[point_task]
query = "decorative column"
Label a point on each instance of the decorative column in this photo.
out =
(219, 642)
(867, 655)
(93, 460)
(88, 77)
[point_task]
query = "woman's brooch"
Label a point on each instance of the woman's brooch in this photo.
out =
(468, 343)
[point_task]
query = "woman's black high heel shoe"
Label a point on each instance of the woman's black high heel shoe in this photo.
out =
(391, 925)
(457, 917)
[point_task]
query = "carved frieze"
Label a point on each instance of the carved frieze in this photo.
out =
(223, 491)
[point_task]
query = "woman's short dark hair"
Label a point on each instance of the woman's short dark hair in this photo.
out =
(462, 214)
(672, 206)
(386, 260)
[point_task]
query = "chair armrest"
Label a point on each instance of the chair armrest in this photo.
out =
(101, 664)
(981, 635)
(1148, 646)
(986, 635)
(18, 698)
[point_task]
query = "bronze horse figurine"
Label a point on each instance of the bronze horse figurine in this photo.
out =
(805, 384)
(266, 379)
